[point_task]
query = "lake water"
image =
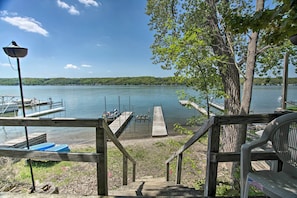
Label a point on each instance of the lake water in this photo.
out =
(91, 101)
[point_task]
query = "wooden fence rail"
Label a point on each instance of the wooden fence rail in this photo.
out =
(213, 128)
(103, 133)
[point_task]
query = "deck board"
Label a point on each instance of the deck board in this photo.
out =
(159, 126)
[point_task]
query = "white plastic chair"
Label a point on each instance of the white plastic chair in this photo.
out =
(282, 132)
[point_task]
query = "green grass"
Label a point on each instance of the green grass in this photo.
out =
(149, 156)
(41, 169)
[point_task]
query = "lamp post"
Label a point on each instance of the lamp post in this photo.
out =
(15, 51)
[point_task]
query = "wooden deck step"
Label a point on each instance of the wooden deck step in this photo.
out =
(155, 187)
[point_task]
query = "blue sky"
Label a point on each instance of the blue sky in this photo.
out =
(78, 38)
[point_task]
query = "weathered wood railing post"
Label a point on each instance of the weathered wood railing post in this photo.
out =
(101, 147)
(167, 171)
(179, 168)
(212, 167)
(134, 172)
(125, 170)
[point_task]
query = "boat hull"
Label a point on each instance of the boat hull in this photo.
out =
(8, 107)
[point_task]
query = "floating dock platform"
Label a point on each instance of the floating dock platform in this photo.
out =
(34, 138)
(118, 125)
(159, 126)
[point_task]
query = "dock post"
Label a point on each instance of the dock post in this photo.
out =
(101, 147)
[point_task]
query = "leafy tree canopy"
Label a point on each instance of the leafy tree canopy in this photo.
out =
(278, 21)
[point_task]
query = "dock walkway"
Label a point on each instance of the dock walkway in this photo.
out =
(159, 126)
(118, 125)
(217, 106)
(195, 106)
(45, 112)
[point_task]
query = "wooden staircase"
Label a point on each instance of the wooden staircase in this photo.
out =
(152, 187)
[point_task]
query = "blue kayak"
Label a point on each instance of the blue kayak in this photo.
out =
(42, 146)
(59, 148)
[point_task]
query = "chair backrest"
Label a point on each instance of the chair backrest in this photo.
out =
(284, 141)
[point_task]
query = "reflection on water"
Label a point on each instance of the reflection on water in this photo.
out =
(4, 133)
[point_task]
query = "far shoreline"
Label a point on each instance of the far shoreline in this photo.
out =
(137, 80)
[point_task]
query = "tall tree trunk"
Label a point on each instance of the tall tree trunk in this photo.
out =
(250, 68)
(247, 89)
(230, 79)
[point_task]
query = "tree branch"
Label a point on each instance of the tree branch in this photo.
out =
(243, 60)
(231, 48)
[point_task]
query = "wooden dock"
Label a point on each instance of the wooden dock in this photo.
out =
(195, 106)
(45, 112)
(118, 125)
(217, 106)
(34, 138)
(159, 126)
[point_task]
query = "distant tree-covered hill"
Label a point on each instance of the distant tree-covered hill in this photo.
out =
(142, 80)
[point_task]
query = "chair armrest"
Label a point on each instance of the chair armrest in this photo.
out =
(245, 159)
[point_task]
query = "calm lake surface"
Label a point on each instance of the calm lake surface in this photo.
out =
(91, 101)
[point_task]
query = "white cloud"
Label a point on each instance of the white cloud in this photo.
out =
(62, 4)
(90, 3)
(26, 23)
(71, 66)
(85, 65)
(71, 9)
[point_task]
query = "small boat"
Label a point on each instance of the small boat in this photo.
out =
(50, 146)
(59, 148)
(27, 101)
(7, 107)
(42, 146)
(110, 116)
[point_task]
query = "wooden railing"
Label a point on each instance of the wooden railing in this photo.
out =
(213, 128)
(103, 133)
